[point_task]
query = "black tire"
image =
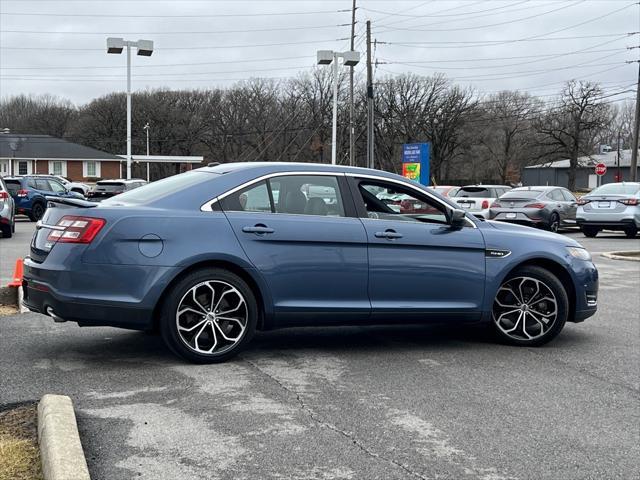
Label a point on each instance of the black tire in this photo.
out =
(178, 293)
(554, 223)
(631, 231)
(590, 232)
(37, 211)
(7, 231)
(561, 306)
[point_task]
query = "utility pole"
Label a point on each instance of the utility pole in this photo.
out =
(370, 139)
(351, 128)
(618, 179)
(146, 128)
(634, 149)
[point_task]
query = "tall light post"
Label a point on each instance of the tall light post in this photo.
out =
(145, 49)
(146, 129)
(349, 59)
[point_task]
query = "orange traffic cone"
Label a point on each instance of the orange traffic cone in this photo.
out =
(17, 274)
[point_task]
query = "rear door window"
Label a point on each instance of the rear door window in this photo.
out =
(568, 196)
(556, 195)
(254, 198)
(42, 184)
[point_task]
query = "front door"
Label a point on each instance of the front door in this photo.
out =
(298, 232)
(419, 266)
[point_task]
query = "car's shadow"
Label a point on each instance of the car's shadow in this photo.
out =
(140, 348)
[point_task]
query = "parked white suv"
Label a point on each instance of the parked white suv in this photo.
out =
(477, 199)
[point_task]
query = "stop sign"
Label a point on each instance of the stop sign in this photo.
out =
(601, 169)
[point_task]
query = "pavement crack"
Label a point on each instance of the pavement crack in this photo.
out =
(322, 423)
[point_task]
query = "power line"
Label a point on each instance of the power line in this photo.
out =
(216, 15)
(417, 28)
(193, 47)
(165, 32)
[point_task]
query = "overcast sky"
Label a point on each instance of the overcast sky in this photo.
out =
(58, 46)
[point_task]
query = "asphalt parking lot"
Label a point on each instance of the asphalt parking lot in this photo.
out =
(349, 403)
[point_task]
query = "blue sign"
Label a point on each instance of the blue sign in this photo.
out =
(415, 162)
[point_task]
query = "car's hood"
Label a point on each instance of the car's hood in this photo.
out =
(531, 232)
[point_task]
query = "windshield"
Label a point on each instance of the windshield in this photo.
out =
(617, 189)
(110, 184)
(161, 188)
(473, 192)
(522, 194)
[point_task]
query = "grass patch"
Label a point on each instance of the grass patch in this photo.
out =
(19, 452)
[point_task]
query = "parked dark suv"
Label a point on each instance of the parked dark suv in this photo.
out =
(109, 188)
(29, 194)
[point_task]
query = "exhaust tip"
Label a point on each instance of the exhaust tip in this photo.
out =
(53, 315)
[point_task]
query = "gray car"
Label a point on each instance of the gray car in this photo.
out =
(614, 206)
(7, 211)
(546, 207)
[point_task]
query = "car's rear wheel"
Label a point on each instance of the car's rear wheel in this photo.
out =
(631, 231)
(530, 308)
(554, 223)
(7, 231)
(37, 211)
(590, 232)
(209, 316)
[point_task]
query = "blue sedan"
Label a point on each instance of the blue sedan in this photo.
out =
(210, 256)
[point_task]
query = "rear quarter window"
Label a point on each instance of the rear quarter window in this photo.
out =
(13, 186)
(162, 188)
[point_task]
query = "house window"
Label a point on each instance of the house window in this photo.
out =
(23, 168)
(58, 168)
(91, 169)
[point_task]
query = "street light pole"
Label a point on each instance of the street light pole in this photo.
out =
(145, 49)
(146, 128)
(350, 59)
(334, 127)
(128, 111)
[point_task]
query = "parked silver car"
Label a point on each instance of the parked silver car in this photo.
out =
(546, 207)
(614, 206)
(7, 211)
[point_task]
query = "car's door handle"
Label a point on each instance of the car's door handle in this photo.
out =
(390, 234)
(258, 229)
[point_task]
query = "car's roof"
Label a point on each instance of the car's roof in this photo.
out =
(285, 166)
(542, 188)
(485, 186)
(121, 180)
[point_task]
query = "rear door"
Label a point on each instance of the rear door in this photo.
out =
(418, 265)
(559, 203)
(301, 232)
(572, 206)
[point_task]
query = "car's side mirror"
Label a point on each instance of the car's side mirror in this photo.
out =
(457, 218)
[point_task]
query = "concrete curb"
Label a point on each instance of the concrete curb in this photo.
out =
(60, 448)
(623, 255)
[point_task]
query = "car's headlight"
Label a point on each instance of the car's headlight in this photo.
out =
(579, 252)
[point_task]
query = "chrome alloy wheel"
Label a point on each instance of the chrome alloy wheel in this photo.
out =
(211, 317)
(525, 308)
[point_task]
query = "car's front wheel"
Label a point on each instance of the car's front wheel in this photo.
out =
(530, 308)
(209, 316)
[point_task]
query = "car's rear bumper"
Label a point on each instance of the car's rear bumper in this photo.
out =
(38, 297)
(610, 224)
(98, 295)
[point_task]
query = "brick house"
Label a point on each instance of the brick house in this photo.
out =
(27, 154)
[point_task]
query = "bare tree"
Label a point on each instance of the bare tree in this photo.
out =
(570, 127)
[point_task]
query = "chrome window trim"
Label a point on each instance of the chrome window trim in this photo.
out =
(207, 206)
(409, 186)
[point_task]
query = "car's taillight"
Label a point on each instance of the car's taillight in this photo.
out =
(485, 204)
(535, 205)
(583, 201)
(4, 195)
(496, 205)
(22, 193)
(629, 201)
(76, 229)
